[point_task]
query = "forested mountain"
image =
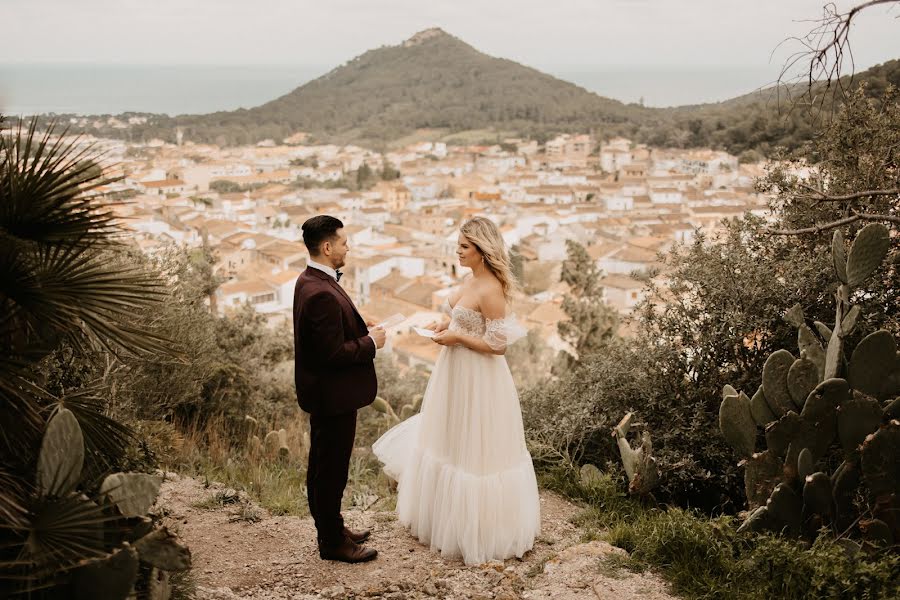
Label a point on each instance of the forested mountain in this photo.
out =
(437, 82)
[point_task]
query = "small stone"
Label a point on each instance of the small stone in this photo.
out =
(430, 589)
(505, 594)
(494, 577)
(334, 592)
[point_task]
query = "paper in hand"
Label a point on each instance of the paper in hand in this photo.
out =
(424, 332)
(392, 321)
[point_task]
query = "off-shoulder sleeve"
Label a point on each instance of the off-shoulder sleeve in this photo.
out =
(500, 333)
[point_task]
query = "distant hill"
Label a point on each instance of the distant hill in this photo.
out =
(435, 81)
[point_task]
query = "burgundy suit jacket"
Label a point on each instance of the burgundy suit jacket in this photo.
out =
(333, 354)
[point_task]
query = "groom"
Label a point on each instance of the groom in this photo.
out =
(335, 375)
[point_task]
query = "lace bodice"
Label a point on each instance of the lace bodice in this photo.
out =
(498, 333)
(466, 321)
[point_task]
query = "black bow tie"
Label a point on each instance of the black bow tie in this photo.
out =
(337, 275)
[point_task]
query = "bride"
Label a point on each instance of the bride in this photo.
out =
(466, 483)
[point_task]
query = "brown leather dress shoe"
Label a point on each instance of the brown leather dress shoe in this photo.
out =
(357, 536)
(347, 551)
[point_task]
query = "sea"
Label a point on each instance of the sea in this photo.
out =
(112, 89)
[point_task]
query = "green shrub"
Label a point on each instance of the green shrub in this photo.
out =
(707, 558)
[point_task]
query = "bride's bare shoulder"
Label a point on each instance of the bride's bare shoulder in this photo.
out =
(490, 292)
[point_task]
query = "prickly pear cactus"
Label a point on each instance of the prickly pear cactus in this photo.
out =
(640, 466)
(110, 578)
(132, 493)
(382, 406)
(807, 405)
(163, 550)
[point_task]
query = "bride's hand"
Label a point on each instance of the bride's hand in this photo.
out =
(446, 338)
(437, 327)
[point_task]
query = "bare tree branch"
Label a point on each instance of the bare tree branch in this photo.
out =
(826, 48)
(834, 224)
(821, 196)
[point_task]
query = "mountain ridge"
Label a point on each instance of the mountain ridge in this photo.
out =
(436, 81)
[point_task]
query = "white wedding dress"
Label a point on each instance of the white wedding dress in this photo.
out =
(466, 483)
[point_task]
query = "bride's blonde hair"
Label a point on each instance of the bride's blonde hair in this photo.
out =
(485, 235)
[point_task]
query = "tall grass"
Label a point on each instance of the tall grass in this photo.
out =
(212, 451)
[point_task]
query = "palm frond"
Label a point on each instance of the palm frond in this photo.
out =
(45, 189)
(61, 534)
(13, 498)
(21, 421)
(72, 291)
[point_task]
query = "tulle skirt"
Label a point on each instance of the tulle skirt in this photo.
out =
(466, 483)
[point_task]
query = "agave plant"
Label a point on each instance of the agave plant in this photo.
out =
(62, 281)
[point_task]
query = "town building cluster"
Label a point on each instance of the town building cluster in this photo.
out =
(624, 202)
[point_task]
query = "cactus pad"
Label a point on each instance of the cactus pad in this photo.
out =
(802, 378)
(62, 455)
(806, 464)
(839, 256)
(760, 410)
(873, 361)
(817, 494)
(774, 380)
(868, 250)
(812, 349)
(857, 418)
(780, 433)
(110, 578)
(881, 461)
(132, 493)
(737, 424)
(762, 472)
(786, 508)
(163, 550)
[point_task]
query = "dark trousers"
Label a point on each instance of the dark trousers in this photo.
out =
(330, 445)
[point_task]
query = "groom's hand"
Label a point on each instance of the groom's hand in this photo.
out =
(370, 323)
(379, 336)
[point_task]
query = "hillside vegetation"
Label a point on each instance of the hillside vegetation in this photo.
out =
(436, 81)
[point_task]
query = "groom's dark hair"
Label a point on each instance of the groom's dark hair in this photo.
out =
(319, 229)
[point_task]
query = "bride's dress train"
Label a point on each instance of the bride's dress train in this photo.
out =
(466, 483)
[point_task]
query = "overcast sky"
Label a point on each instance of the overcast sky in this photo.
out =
(540, 33)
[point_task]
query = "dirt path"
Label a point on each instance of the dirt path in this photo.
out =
(240, 551)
